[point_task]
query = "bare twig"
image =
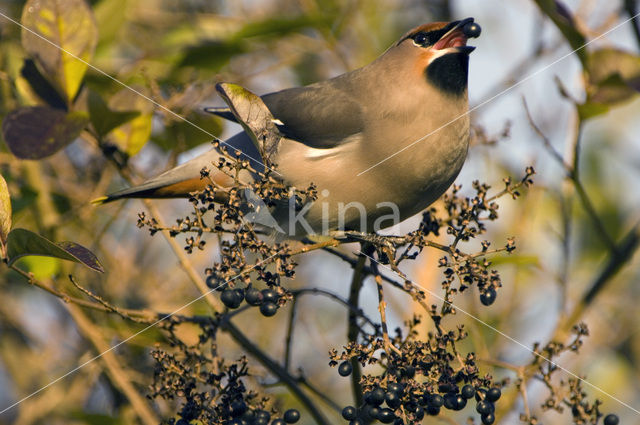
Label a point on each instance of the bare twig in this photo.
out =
(352, 324)
(382, 306)
(118, 374)
(276, 369)
(571, 171)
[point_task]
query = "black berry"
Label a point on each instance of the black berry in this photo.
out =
(468, 391)
(488, 296)
(488, 419)
(262, 417)
(291, 416)
(611, 419)
(269, 295)
(349, 413)
(419, 412)
(450, 401)
(212, 282)
(472, 30)
(268, 309)
(409, 372)
(395, 387)
(494, 394)
(433, 411)
(345, 368)
(376, 397)
(483, 407)
(238, 408)
(386, 416)
(372, 411)
(393, 399)
(461, 402)
(231, 298)
(435, 400)
(253, 296)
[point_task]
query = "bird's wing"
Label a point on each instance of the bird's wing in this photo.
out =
(321, 116)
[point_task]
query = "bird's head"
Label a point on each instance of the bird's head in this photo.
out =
(439, 53)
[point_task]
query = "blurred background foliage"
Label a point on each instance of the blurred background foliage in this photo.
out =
(580, 107)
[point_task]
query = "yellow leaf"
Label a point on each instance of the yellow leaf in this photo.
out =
(5, 216)
(133, 135)
(60, 35)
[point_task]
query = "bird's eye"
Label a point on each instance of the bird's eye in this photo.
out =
(425, 39)
(421, 39)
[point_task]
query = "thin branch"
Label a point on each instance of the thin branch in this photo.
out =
(289, 337)
(631, 7)
(572, 174)
(276, 369)
(617, 258)
(105, 304)
(118, 375)
(382, 305)
(358, 311)
(352, 324)
(320, 394)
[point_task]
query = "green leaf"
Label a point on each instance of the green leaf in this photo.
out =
(561, 17)
(181, 135)
(281, 26)
(36, 132)
(211, 54)
(54, 32)
(134, 134)
(614, 76)
(96, 419)
(41, 267)
(214, 54)
(103, 118)
(22, 242)
(111, 17)
(5, 216)
(591, 109)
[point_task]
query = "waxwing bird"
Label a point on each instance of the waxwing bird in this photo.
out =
(367, 120)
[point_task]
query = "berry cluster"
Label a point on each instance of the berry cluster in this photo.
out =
(385, 404)
(267, 299)
(242, 415)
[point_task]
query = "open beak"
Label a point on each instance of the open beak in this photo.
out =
(457, 36)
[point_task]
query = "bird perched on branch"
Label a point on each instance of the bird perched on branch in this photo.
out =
(381, 143)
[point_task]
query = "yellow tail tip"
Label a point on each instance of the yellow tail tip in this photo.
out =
(99, 201)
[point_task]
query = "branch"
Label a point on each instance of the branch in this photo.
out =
(352, 325)
(631, 7)
(617, 258)
(571, 171)
(118, 375)
(276, 369)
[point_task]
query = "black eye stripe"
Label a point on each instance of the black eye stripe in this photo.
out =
(428, 38)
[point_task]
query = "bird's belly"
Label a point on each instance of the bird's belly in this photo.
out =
(382, 197)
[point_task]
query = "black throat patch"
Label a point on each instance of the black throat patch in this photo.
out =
(449, 73)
